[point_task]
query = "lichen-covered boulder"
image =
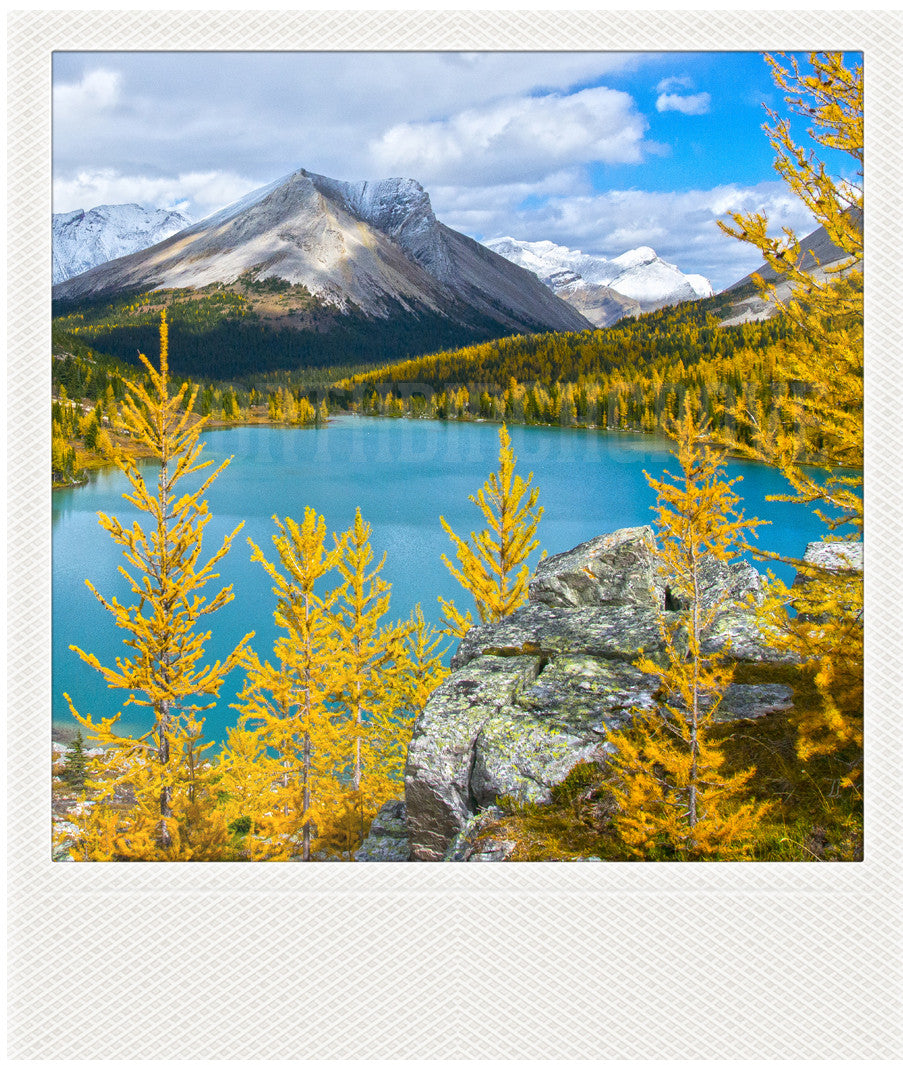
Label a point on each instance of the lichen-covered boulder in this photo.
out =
(834, 556)
(730, 585)
(615, 569)
(746, 701)
(838, 565)
(443, 747)
(587, 694)
(616, 631)
(387, 840)
(521, 755)
(467, 846)
(512, 725)
(739, 635)
(530, 697)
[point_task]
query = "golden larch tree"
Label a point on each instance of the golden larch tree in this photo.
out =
(168, 577)
(374, 735)
(815, 435)
(672, 795)
(420, 669)
(289, 703)
(493, 562)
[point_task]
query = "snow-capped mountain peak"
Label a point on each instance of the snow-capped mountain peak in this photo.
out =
(373, 249)
(629, 260)
(83, 239)
(641, 279)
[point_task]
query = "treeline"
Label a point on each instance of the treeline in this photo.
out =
(686, 332)
(88, 390)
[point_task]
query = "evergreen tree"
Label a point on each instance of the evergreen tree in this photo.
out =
(75, 770)
(493, 565)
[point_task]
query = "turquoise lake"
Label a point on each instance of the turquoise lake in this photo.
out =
(403, 475)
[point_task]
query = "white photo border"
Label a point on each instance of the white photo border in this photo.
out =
(439, 961)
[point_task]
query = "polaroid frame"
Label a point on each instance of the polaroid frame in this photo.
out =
(434, 961)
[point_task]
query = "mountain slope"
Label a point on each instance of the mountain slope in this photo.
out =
(605, 290)
(85, 239)
(818, 253)
(374, 249)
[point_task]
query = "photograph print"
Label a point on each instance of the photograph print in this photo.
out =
(457, 456)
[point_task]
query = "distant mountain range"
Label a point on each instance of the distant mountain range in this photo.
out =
(310, 270)
(605, 290)
(84, 239)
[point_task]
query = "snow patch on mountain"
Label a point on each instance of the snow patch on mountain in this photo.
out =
(84, 239)
(638, 274)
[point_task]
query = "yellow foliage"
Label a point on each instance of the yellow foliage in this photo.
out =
(374, 727)
(816, 439)
(123, 819)
(668, 782)
(164, 670)
(492, 563)
(289, 705)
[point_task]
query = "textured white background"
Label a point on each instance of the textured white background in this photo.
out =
(436, 961)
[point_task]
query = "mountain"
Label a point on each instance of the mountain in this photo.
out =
(84, 239)
(604, 290)
(818, 252)
(364, 270)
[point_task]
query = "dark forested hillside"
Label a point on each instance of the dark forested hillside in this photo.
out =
(687, 332)
(227, 332)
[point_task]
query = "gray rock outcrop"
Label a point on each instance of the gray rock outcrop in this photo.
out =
(615, 569)
(841, 556)
(831, 570)
(387, 840)
(532, 696)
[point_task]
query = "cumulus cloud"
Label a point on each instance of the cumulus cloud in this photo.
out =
(97, 90)
(266, 114)
(198, 193)
(696, 104)
(522, 138)
(680, 226)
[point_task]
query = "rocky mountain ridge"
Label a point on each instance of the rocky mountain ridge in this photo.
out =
(820, 258)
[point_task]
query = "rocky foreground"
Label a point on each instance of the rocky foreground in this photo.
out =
(532, 696)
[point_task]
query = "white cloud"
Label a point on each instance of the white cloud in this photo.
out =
(98, 90)
(200, 193)
(670, 84)
(266, 114)
(697, 104)
(680, 226)
(516, 139)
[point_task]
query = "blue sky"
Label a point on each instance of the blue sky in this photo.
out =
(601, 152)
